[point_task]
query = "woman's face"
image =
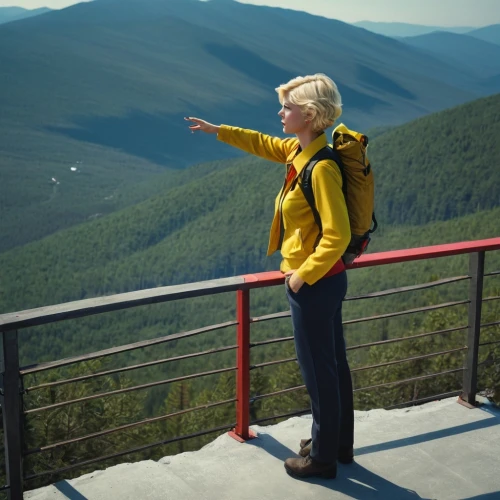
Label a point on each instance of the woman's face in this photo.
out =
(291, 117)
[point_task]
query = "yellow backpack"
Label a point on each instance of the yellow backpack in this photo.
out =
(349, 153)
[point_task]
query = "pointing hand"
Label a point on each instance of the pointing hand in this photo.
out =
(202, 125)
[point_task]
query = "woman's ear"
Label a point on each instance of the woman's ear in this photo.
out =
(309, 116)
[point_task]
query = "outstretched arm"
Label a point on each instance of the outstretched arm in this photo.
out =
(202, 125)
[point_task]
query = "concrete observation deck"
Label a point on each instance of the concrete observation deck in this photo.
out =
(439, 450)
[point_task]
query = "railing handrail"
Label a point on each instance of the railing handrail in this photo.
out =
(97, 305)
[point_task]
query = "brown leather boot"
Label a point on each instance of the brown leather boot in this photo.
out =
(345, 454)
(308, 467)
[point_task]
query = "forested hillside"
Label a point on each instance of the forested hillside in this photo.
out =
(212, 220)
(439, 167)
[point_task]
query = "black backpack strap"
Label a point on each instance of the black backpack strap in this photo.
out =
(327, 153)
(375, 223)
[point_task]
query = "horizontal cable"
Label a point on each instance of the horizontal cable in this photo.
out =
(272, 341)
(494, 273)
(129, 452)
(291, 414)
(411, 288)
(410, 337)
(408, 311)
(490, 343)
(129, 389)
(370, 344)
(486, 325)
(491, 298)
(291, 389)
(287, 314)
(270, 363)
(129, 368)
(407, 380)
(117, 350)
(127, 426)
(268, 317)
(408, 359)
(425, 400)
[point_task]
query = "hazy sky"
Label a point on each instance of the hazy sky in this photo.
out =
(430, 12)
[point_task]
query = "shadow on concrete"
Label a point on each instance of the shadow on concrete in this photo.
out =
(490, 408)
(358, 482)
(353, 480)
(67, 490)
(429, 436)
(272, 446)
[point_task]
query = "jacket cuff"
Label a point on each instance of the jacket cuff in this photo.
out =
(224, 133)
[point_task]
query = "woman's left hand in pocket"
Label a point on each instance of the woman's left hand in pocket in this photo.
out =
(295, 282)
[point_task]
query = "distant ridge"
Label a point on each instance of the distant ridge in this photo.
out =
(9, 14)
(407, 29)
(472, 53)
(488, 33)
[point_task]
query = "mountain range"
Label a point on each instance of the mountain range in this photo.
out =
(407, 29)
(93, 96)
(474, 54)
(489, 33)
(9, 14)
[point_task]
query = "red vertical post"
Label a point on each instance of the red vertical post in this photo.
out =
(242, 431)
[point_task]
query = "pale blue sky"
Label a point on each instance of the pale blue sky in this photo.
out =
(430, 12)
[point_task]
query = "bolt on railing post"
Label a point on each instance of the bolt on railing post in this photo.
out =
(242, 430)
(476, 273)
(11, 410)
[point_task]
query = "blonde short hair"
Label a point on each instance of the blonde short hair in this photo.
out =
(317, 95)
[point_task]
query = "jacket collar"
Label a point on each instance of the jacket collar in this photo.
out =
(304, 157)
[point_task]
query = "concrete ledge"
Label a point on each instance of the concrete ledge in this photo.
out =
(439, 450)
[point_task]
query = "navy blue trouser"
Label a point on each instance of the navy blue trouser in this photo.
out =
(320, 346)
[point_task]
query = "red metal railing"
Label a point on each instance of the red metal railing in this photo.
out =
(13, 391)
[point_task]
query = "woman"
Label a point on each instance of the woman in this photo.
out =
(315, 280)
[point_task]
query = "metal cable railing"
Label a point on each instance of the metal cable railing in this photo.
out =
(125, 348)
(14, 375)
(130, 389)
(129, 368)
(126, 427)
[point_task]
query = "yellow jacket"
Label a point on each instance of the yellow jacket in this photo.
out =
(300, 230)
